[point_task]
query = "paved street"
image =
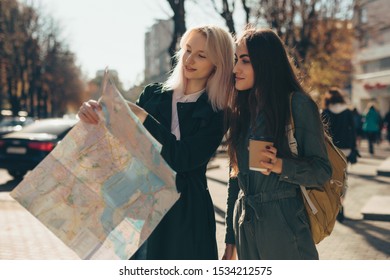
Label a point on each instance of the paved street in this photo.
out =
(24, 237)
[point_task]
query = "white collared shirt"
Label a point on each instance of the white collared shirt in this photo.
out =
(179, 97)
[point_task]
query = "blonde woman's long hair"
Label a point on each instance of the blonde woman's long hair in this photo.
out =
(220, 51)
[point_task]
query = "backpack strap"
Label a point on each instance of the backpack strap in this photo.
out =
(290, 130)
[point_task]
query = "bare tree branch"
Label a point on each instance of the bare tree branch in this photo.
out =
(179, 24)
(227, 14)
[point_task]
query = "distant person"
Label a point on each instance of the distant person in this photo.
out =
(341, 123)
(265, 217)
(186, 115)
(358, 120)
(386, 122)
(341, 127)
(372, 122)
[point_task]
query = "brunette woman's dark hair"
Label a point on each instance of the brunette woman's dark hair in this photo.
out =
(275, 79)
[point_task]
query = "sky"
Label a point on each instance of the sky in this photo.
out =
(111, 32)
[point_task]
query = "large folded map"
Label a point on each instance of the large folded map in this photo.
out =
(105, 187)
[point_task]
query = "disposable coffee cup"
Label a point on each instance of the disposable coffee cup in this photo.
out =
(256, 146)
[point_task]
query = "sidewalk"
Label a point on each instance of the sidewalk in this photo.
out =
(24, 237)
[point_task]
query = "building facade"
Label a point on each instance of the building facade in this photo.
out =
(157, 58)
(371, 82)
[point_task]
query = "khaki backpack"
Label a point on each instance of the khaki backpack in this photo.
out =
(322, 205)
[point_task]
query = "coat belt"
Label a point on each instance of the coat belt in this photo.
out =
(252, 200)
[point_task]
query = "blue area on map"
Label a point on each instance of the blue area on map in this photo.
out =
(156, 156)
(119, 240)
(119, 188)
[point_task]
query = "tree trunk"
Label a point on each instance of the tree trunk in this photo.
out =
(179, 26)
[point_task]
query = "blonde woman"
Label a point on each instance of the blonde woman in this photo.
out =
(185, 114)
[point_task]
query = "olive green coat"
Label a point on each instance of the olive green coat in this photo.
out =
(265, 214)
(188, 230)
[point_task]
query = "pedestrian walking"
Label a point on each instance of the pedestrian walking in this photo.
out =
(386, 122)
(358, 121)
(341, 124)
(372, 126)
(266, 218)
(341, 127)
(186, 115)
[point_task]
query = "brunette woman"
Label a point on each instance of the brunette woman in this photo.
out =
(265, 216)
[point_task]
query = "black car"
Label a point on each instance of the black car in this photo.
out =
(21, 151)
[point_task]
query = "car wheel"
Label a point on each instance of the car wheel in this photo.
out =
(17, 174)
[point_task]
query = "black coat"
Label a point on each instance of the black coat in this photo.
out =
(188, 229)
(341, 127)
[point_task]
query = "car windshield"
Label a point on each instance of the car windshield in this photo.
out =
(50, 127)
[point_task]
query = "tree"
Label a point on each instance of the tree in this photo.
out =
(37, 72)
(318, 34)
(246, 5)
(329, 63)
(179, 24)
(227, 13)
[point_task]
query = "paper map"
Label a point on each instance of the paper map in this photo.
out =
(105, 187)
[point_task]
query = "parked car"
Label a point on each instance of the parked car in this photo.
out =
(21, 151)
(11, 124)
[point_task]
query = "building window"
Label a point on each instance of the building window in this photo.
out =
(385, 63)
(376, 65)
(370, 66)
